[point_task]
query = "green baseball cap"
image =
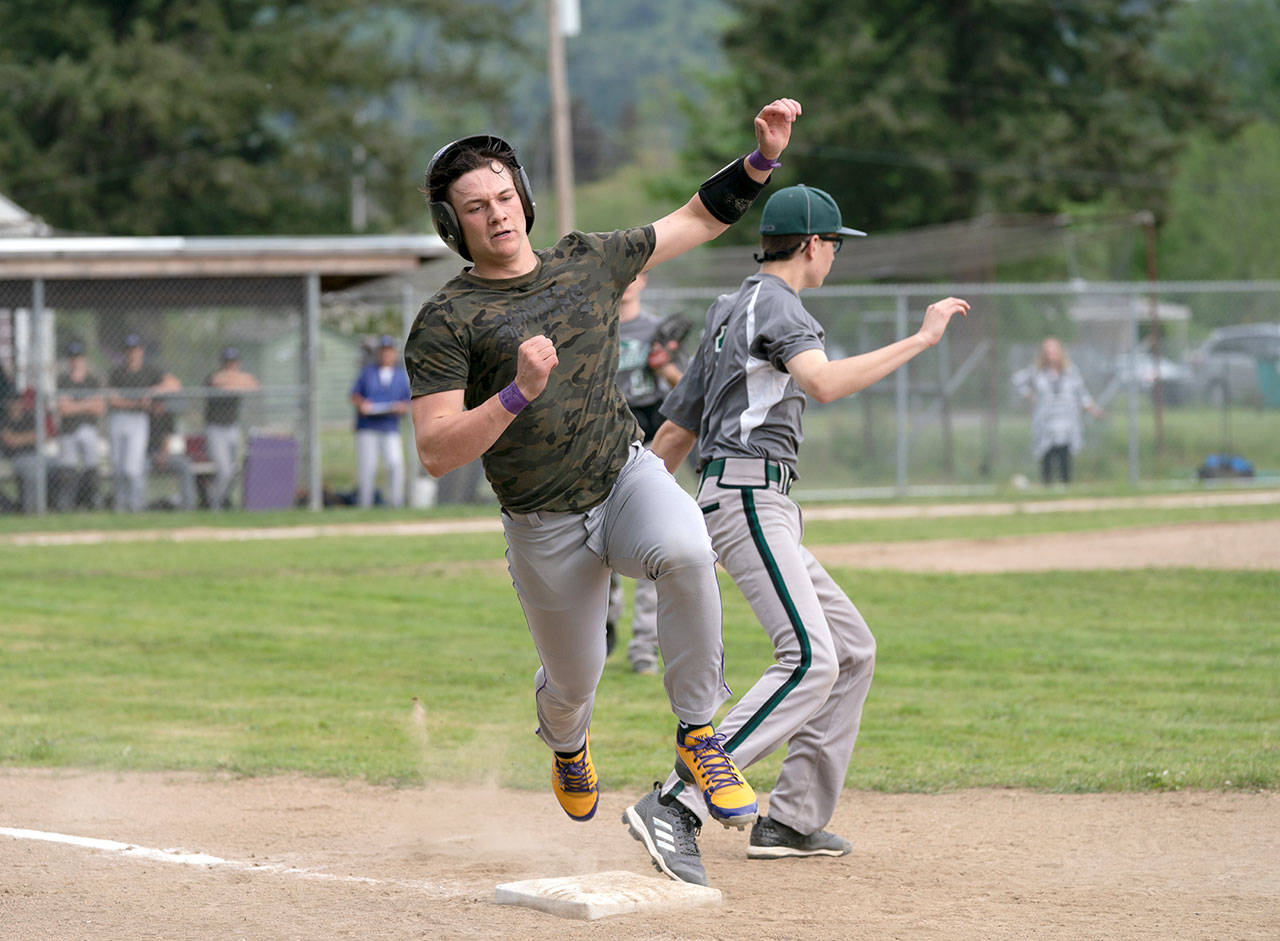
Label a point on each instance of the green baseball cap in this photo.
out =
(802, 210)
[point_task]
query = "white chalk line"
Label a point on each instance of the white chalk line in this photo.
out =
(184, 858)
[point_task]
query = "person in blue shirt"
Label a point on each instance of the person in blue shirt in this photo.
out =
(381, 396)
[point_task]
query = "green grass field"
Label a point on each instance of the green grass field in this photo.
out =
(305, 655)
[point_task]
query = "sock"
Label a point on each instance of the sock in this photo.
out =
(683, 729)
(570, 755)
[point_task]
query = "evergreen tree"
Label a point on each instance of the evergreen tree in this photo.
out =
(924, 111)
(234, 116)
(1226, 198)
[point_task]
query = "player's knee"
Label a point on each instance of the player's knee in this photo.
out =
(685, 555)
(572, 690)
(815, 671)
(860, 658)
(821, 676)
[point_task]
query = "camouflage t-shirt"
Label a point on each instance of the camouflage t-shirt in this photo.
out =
(564, 451)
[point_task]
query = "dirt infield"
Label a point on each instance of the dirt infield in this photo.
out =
(1253, 545)
(300, 858)
(297, 858)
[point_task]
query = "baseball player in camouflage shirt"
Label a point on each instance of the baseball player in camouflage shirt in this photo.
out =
(741, 401)
(514, 361)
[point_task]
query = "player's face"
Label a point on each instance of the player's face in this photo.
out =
(490, 214)
(824, 257)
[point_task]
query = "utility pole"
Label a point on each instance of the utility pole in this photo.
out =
(1148, 220)
(359, 196)
(561, 19)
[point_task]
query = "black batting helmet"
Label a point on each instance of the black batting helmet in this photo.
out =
(445, 167)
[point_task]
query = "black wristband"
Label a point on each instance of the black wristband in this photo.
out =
(729, 193)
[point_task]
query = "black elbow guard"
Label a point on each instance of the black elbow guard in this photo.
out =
(729, 193)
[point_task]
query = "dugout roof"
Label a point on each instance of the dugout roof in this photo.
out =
(156, 269)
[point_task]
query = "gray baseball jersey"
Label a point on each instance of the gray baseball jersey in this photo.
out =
(747, 409)
(736, 393)
(636, 380)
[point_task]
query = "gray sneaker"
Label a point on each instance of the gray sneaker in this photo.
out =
(669, 832)
(773, 840)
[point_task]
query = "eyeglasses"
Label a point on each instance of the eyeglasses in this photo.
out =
(837, 242)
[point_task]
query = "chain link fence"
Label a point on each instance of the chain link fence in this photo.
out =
(953, 420)
(119, 396)
(181, 393)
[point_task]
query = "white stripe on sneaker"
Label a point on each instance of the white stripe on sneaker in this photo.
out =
(664, 836)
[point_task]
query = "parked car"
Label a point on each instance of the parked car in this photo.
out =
(1175, 378)
(1233, 363)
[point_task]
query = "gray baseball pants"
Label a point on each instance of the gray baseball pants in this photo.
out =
(370, 445)
(223, 444)
(559, 563)
(642, 651)
(82, 448)
(128, 433)
(811, 698)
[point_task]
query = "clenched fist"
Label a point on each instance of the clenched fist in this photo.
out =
(535, 360)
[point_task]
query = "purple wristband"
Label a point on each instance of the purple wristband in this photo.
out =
(761, 162)
(512, 398)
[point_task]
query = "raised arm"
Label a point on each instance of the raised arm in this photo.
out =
(827, 380)
(724, 197)
(449, 436)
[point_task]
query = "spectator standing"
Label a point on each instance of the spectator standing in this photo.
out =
(1058, 398)
(135, 384)
(222, 422)
(381, 396)
(81, 404)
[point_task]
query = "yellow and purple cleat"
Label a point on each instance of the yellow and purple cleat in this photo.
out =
(702, 762)
(575, 783)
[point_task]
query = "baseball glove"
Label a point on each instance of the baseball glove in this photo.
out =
(673, 329)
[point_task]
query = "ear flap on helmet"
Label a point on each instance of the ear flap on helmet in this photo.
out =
(446, 223)
(442, 214)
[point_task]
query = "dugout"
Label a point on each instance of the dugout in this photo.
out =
(191, 297)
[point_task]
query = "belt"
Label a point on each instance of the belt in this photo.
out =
(745, 472)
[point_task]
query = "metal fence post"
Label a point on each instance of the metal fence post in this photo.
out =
(311, 393)
(1133, 395)
(37, 387)
(422, 486)
(902, 402)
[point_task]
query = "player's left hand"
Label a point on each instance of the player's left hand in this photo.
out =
(938, 315)
(773, 126)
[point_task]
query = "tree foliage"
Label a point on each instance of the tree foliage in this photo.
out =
(1224, 208)
(924, 111)
(232, 116)
(1238, 41)
(1226, 198)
